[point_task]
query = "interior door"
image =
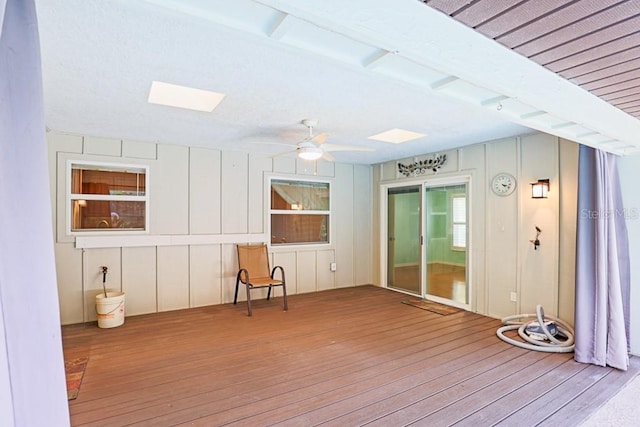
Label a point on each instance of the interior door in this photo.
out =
(446, 237)
(404, 239)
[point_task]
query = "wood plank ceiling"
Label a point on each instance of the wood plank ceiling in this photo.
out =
(593, 43)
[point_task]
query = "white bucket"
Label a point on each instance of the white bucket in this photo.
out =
(110, 309)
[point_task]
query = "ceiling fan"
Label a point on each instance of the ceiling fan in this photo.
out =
(313, 147)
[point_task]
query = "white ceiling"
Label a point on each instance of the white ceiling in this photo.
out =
(360, 67)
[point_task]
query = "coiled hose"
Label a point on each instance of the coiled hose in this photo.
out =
(555, 345)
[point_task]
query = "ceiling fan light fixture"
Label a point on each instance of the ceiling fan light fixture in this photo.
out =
(309, 153)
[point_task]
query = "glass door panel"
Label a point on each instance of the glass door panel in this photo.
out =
(403, 232)
(446, 234)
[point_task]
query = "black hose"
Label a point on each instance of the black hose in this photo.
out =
(104, 280)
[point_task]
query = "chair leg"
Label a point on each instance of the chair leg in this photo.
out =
(235, 297)
(269, 293)
(284, 296)
(249, 299)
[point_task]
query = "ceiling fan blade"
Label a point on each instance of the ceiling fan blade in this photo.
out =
(284, 153)
(320, 139)
(338, 147)
(273, 143)
(328, 157)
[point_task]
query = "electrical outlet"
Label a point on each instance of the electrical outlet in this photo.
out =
(333, 266)
(514, 297)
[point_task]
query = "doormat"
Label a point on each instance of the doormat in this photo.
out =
(432, 306)
(74, 371)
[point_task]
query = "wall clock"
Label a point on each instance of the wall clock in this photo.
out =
(503, 184)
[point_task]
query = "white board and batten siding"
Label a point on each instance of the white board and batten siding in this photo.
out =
(504, 263)
(201, 203)
(502, 229)
(139, 279)
(204, 180)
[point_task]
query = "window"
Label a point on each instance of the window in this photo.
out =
(459, 221)
(300, 212)
(107, 197)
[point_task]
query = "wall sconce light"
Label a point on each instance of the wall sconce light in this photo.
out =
(540, 189)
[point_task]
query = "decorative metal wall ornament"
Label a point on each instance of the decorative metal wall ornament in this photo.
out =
(421, 167)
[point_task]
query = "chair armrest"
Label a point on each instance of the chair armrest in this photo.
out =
(243, 276)
(277, 267)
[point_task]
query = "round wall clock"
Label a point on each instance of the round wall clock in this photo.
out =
(503, 184)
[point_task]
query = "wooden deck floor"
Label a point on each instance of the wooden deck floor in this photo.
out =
(343, 357)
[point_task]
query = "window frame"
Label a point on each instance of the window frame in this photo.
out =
(271, 212)
(462, 196)
(116, 167)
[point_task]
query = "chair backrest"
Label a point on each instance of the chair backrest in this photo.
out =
(255, 259)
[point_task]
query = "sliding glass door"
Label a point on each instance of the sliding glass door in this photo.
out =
(427, 231)
(446, 231)
(403, 239)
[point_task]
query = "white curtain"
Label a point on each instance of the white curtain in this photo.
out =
(602, 264)
(32, 381)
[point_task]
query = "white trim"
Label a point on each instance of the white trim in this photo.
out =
(384, 232)
(107, 197)
(127, 241)
(99, 164)
(435, 181)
